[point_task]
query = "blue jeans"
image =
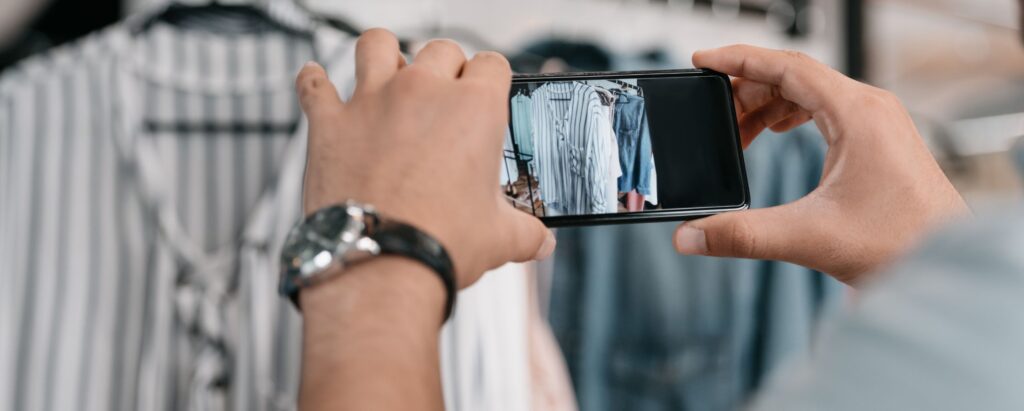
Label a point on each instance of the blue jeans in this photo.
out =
(634, 138)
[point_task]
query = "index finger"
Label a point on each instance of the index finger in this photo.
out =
(801, 79)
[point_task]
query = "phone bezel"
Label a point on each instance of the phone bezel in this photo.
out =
(679, 214)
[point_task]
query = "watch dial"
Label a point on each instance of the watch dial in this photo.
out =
(312, 246)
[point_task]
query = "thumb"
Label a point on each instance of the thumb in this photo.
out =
(526, 237)
(317, 94)
(767, 233)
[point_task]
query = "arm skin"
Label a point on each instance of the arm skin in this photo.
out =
(370, 339)
(370, 335)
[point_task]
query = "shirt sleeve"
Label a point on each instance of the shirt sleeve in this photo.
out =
(943, 330)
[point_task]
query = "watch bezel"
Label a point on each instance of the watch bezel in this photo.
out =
(352, 245)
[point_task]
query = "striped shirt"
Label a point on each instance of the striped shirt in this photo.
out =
(139, 261)
(571, 137)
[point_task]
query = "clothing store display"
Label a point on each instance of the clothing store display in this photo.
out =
(141, 261)
(522, 123)
(644, 328)
(634, 137)
(572, 136)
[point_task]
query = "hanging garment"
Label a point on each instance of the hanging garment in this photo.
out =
(571, 134)
(634, 144)
(653, 197)
(646, 329)
(140, 264)
(612, 157)
(522, 124)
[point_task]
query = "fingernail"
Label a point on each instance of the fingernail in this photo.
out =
(547, 248)
(691, 240)
(311, 63)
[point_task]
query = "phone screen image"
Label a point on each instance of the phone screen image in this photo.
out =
(598, 148)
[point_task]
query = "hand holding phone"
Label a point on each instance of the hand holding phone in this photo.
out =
(880, 190)
(595, 148)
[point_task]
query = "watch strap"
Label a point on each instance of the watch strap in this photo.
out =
(395, 238)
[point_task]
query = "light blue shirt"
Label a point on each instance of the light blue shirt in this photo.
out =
(522, 124)
(941, 330)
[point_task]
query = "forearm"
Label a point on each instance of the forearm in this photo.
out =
(370, 338)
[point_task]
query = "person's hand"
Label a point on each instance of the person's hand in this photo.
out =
(881, 188)
(422, 143)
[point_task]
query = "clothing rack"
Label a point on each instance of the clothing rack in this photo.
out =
(522, 159)
(625, 84)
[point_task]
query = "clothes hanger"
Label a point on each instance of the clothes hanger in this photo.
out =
(238, 18)
(220, 18)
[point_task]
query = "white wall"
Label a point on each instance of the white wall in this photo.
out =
(619, 25)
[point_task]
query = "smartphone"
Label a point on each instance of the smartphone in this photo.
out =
(620, 147)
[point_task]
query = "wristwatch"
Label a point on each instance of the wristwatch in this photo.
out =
(328, 241)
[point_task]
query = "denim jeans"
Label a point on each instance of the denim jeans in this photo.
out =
(634, 138)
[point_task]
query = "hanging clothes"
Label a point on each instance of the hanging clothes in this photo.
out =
(522, 123)
(643, 328)
(572, 136)
(140, 265)
(614, 170)
(634, 136)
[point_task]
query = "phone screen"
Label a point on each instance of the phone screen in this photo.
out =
(599, 147)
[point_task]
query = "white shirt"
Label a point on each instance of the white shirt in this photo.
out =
(126, 252)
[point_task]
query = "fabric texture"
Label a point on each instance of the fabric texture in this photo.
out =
(522, 123)
(572, 137)
(643, 328)
(613, 170)
(634, 137)
(140, 261)
(941, 330)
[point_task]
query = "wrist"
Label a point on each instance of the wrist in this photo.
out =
(378, 317)
(385, 288)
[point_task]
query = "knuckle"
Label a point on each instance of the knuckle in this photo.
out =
(375, 36)
(737, 48)
(875, 98)
(797, 55)
(744, 240)
(448, 45)
(493, 57)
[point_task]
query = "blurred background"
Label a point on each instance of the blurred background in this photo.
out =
(953, 62)
(625, 323)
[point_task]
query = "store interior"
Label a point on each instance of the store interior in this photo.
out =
(615, 320)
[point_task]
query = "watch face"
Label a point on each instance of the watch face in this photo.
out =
(311, 247)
